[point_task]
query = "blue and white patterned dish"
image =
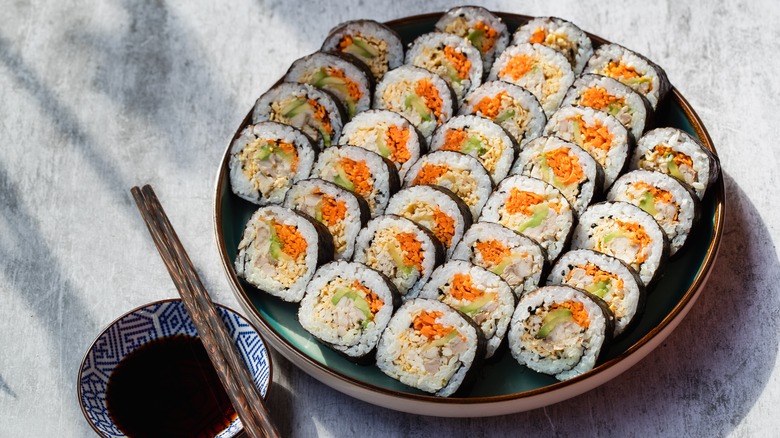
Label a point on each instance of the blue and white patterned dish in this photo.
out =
(153, 321)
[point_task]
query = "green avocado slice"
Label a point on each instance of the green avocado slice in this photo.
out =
(577, 132)
(364, 49)
(505, 116)
(358, 301)
(673, 169)
(599, 289)
(477, 38)
(476, 305)
(343, 180)
(473, 144)
(264, 152)
(647, 203)
(294, 108)
(540, 214)
(414, 101)
(551, 320)
(444, 339)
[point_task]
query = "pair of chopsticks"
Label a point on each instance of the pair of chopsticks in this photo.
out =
(231, 370)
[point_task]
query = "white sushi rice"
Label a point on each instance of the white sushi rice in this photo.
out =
(555, 216)
(285, 279)
(651, 80)
(522, 268)
(569, 349)
(422, 204)
(483, 139)
(428, 51)
(343, 325)
(517, 110)
(491, 310)
(307, 197)
(464, 176)
(409, 356)
(539, 69)
(623, 293)
(371, 130)
(626, 232)
(669, 150)
(609, 143)
(629, 107)
(560, 35)
(265, 181)
(672, 206)
(536, 160)
(379, 249)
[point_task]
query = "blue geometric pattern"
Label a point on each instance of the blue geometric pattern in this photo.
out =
(156, 321)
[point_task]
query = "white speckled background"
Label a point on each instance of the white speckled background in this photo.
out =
(98, 96)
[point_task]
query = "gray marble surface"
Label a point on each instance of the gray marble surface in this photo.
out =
(98, 96)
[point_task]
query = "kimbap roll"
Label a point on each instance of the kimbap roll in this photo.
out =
(462, 174)
(452, 58)
(404, 251)
(678, 154)
(560, 330)
(632, 69)
(351, 83)
(560, 35)
(266, 159)
(343, 212)
(626, 232)
(519, 261)
(280, 250)
(361, 171)
(430, 346)
(566, 166)
(315, 112)
(537, 68)
(436, 209)
(534, 208)
(417, 94)
(605, 277)
(600, 134)
(483, 29)
(387, 133)
(481, 138)
(672, 205)
(515, 109)
(373, 43)
(346, 307)
(480, 294)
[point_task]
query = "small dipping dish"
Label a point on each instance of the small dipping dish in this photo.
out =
(160, 319)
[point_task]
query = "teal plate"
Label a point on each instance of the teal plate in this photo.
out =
(504, 386)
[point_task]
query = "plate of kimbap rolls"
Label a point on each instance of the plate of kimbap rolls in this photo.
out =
(468, 213)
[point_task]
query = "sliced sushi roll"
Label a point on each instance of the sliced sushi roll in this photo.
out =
(364, 172)
(436, 209)
(315, 112)
(280, 250)
(534, 208)
(539, 69)
(515, 109)
(481, 138)
(602, 135)
(351, 83)
(560, 35)
(678, 154)
(560, 330)
(610, 96)
(417, 94)
(632, 69)
(452, 58)
(430, 346)
(519, 260)
(343, 212)
(462, 174)
(373, 43)
(483, 29)
(407, 253)
(480, 294)
(605, 277)
(346, 307)
(674, 206)
(626, 232)
(266, 159)
(387, 133)
(566, 166)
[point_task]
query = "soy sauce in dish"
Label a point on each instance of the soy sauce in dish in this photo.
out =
(168, 388)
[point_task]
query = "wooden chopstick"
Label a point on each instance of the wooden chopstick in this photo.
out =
(235, 378)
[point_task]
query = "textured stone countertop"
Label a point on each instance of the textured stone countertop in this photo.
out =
(96, 97)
